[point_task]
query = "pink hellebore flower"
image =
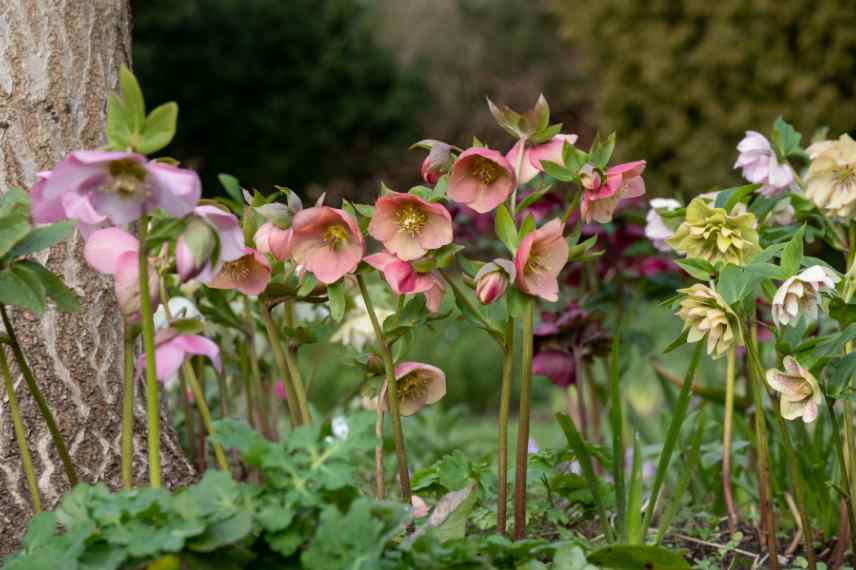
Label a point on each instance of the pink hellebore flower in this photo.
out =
(116, 252)
(550, 151)
(539, 259)
(408, 226)
(209, 226)
(481, 178)
(326, 242)
(436, 164)
(249, 274)
(622, 181)
(492, 280)
(172, 347)
(419, 385)
(403, 279)
(759, 164)
(92, 186)
(279, 390)
(273, 240)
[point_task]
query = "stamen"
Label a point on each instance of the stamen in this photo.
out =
(486, 170)
(414, 386)
(335, 235)
(411, 220)
(239, 270)
(128, 179)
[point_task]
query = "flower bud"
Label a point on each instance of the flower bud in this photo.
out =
(589, 177)
(437, 163)
(492, 280)
(194, 248)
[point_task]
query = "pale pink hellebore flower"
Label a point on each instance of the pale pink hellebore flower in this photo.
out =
(550, 151)
(327, 242)
(249, 274)
(539, 259)
(172, 348)
(481, 179)
(404, 279)
(419, 385)
(800, 393)
(493, 279)
(759, 164)
(601, 199)
(409, 226)
(436, 164)
(273, 240)
(194, 247)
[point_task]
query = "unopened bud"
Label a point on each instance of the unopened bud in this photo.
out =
(194, 248)
(589, 177)
(437, 163)
(493, 279)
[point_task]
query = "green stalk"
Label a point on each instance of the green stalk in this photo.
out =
(189, 422)
(243, 353)
(522, 451)
(845, 473)
(294, 369)
(128, 414)
(392, 394)
(616, 420)
(634, 530)
(20, 434)
(294, 411)
(255, 373)
(504, 405)
(204, 412)
(41, 402)
(727, 430)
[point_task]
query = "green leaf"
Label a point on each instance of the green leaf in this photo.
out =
(677, 343)
(785, 138)
(119, 132)
(307, 285)
(638, 557)
(732, 284)
(21, 287)
(231, 186)
(558, 171)
(41, 238)
(734, 195)
(517, 301)
(571, 557)
(338, 300)
(634, 497)
(224, 532)
(533, 197)
(65, 299)
(506, 230)
(793, 253)
(132, 97)
(527, 226)
(844, 313)
(698, 268)
(159, 128)
(574, 158)
(601, 150)
(449, 517)
(14, 219)
(840, 374)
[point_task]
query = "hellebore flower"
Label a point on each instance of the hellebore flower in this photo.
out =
(172, 348)
(279, 390)
(760, 165)
(562, 338)
(550, 151)
(800, 295)
(705, 313)
(419, 385)
(92, 186)
(831, 179)
(327, 242)
(273, 240)
(179, 308)
(481, 178)
(539, 259)
(208, 228)
(116, 252)
(656, 229)
(714, 235)
(408, 226)
(249, 274)
(800, 392)
(403, 278)
(601, 199)
(492, 280)
(437, 163)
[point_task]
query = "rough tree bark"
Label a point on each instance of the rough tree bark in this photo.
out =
(58, 59)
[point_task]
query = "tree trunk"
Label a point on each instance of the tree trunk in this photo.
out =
(58, 61)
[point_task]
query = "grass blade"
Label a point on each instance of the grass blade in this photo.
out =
(634, 499)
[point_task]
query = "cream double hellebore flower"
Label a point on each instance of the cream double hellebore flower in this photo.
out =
(705, 313)
(800, 295)
(800, 392)
(715, 235)
(831, 179)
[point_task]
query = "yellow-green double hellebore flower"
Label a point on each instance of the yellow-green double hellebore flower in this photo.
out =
(714, 235)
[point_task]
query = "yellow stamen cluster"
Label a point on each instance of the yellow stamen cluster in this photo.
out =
(414, 386)
(335, 235)
(240, 269)
(486, 170)
(411, 219)
(128, 179)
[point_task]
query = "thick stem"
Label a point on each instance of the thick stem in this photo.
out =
(294, 411)
(20, 434)
(41, 402)
(727, 428)
(128, 414)
(504, 406)
(255, 374)
(243, 354)
(392, 394)
(294, 369)
(204, 412)
(522, 451)
(582, 411)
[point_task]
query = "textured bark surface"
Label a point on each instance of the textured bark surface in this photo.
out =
(58, 59)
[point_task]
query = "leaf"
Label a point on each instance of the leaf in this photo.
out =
(527, 226)
(638, 557)
(449, 517)
(132, 98)
(840, 374)
(41, 238)
(21, 287)
(232, 187)
(844, 313)
(792, 255)
(307, 285)
(159, 128)
(732, 283)
(729, 197)
(558, 171)
(698, 268)
(601, 150)
(338, 300)
(224, 532)
(533, 197)
(785, 138)
(14, 219)
(506, 230)
(65, 299)
(677, 343)
(571, 557)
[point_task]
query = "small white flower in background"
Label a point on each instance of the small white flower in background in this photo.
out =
(801, 396)
(356, 331)
(179, 308)
(782, 214)
(758, 161)
(340, 427)
(532, 446)
(656, 230)
(309, 312)
(800, 294)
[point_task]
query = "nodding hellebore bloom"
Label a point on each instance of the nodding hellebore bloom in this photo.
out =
(249, 274)
(481, 178)
(800, 295)
(172, 348)
(493, 279)
(656, 229)
(759, 164)
(714, 235)
(705, 313)
(550, 151)
(404, 279)
(419, 385)
(540, 258)
(831, 179)
(94, 186)
(800, 392)
(601, 198)
(327, 242)
(410, 227)
(437, 163)
(209, 230)
(274, 240)
(563, 338)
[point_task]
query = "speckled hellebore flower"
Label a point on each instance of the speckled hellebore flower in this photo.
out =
(759, 164)
(831, 179)
(539, 259)
(172, 348)
(481, 179)
(601, 198)
(403, 279)
(493, 279)
(327, 242)
(550, 151)
(800, 295)
(409, 226)
(249, 274)
(274, 240)
(208, 229)
(714, 235)
(419, 385)
(656, 229)
(705, 313)
(800, 392)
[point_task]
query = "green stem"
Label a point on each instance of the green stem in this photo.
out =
(128, 414)
(504, 406)
(518, 167)
(294, 411)
(256, 376)
(463, 297)
(20, 434)
(392, 394)
(41, 402)
(189, 421)
(522, 451)
(727, 429)
(243, 353)
(845, 472)
(294, 369)
(204, 412)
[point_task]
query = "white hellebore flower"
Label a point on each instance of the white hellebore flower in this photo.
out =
(655, 229)
(800, 392)
(356, 331)
(179, 308)
(800, 294)
(759, 164)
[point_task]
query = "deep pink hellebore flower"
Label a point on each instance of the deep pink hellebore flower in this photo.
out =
(419, 385)
(550, 151)
(210, 226)
(493, 279)
(481, 178)
(601, 199)
(274, 240)
(249, 274)
(172, 348)
(404, 279)
(327, 242)
(409, 226)
(540, 258)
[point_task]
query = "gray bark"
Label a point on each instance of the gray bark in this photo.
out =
(58, 60)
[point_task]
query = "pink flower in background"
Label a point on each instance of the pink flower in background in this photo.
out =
(116, 252)
(404, 279)
(420, 507)
(210, 227)
(419, 385)
(759, 165)
(279, 390)
(408, 226)
(249, 274)
(94, 186)
(540, 257)
(172, 348)
(273, 240)
(437, 163)
(550, 151)
(656, 229)
(563, 337)
(622, 181)
(327, 242)
(481, 178)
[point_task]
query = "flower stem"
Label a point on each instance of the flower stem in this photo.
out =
(392, 394)
(504, 405)
(522, 450)
(189, 421)
(128, 414)
(20, 435)
(845, 472)
(294, 369)
(255, 373)
(379, 486)
(727, 428)
(41, 402)
(294, 411)
(518, 167)
(204, 412)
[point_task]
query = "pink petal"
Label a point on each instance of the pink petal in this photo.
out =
(168, 360)
(178, 189)
(104, 247)
(78, 206)
(81, 170)
(228, 230)
(437, 230)
(195, 344)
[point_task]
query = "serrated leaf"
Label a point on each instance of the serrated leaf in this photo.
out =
(506, 230)
(14, 219)
(159, 128)
(65, 299)
(41, 238)
(558, 171)
(601, 150)
(449, 517)
(224, 532)
(232, 187)
(785, 138)
(119, 132)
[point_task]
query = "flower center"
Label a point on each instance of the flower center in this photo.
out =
(127, 179)
(411, 220)
(239, 270)
(534, 264)
(486, 170)
(414, 386)
(335, 235)
(846, 176)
